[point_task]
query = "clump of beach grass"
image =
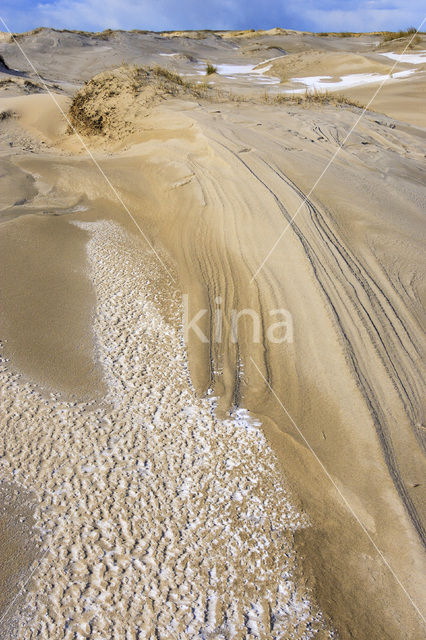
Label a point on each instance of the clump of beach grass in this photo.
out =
(210, 69)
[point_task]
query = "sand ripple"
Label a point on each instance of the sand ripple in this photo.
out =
(158, 519)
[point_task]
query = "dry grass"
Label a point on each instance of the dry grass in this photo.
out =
(98, 107)
(338, 34)
(100, 35)
(388, 36)
(110, 103)
(315, 97)
(27, 85)
(20, 36)
(416, 40)
(33, 87)
(173, 84)
(169, 76)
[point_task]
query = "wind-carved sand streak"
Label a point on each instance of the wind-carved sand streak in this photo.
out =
(160, 520)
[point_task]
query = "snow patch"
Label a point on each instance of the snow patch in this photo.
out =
(326, 83)
(407, 58)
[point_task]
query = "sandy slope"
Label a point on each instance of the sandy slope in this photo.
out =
(334, 64)
(213, 185)
(155, 516)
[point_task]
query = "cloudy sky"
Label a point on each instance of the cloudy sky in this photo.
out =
(311, 15)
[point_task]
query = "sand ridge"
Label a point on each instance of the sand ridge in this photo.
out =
(159, 520)
(65, 59)
(212, 183)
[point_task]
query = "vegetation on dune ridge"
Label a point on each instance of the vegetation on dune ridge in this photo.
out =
(26, 85)
(340, 34)
(108, 33)
(100, 35)
(409, 37)
(314, 97)
(203, 33)
(387, 36)
(111, 103)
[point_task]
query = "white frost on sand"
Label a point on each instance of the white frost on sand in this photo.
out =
(250, 72)
(408, 58)
(160, 520)
(325, 83)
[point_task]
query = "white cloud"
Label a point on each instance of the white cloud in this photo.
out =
(127, 14)
(371, 16)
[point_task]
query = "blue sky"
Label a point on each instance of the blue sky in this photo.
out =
(311, 15)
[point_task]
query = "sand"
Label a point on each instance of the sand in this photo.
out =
(156, 516)
(172, 493)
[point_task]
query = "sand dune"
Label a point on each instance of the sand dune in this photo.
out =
(65, 59)
(179, 523)
(334, 64)
(172, 493)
